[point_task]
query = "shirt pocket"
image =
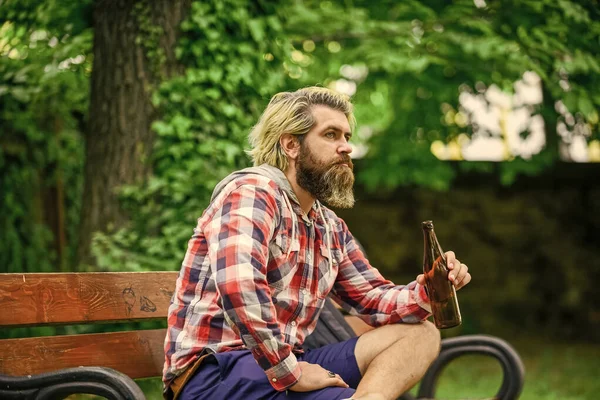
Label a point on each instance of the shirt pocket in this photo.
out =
(283, 262)
(327, 271)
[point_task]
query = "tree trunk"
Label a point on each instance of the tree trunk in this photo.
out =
(118, 138)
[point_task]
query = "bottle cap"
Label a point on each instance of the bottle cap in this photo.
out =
(427, 224)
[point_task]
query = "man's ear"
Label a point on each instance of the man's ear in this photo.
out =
(290, 145)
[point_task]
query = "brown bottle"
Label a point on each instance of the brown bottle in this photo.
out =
(442, 295)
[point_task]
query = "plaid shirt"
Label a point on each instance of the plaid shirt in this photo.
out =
(257, 272)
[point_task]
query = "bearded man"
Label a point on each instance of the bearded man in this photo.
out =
(264, 257)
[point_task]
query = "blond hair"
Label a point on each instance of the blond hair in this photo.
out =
(290, 112)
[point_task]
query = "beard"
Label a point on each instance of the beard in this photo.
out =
(330, 183)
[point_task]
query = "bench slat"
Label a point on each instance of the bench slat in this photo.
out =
(138, 354)
(62, 298)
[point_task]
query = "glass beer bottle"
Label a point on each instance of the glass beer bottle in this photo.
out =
(441, 291)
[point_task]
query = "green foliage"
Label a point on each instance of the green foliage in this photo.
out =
(206, 114)
(414, 57)
(419, 54)
(44, 72)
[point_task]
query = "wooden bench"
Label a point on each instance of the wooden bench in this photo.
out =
(105, 364)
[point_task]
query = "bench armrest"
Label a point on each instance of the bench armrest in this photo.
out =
(59, 384)
(512, 366)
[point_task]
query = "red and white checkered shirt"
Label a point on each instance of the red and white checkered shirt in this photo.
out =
(257, 272)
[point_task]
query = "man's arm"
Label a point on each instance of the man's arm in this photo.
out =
(238, 237)
(364, 292)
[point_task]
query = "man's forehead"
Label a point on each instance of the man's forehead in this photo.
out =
(326, 117)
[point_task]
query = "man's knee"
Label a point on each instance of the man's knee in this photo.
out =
(424, 338)
(428, 339)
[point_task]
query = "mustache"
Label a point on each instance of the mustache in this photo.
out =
(345, 159)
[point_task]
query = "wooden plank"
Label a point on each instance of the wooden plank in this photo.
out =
(139, 354)
(62, 298)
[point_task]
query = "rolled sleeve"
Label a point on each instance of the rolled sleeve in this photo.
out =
(422, 298)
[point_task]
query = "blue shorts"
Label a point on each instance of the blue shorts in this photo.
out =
(235, 375)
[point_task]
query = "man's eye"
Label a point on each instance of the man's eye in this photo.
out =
(330, 134)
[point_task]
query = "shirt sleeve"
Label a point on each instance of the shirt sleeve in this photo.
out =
(364, 292)
(238, 236)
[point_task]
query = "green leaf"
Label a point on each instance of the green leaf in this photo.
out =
(586, 106)
(257, 29)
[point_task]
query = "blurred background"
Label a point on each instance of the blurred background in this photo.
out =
(118, 117)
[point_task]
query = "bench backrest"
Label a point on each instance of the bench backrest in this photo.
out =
(84, 298)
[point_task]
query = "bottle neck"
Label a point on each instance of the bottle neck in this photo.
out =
(431, 243)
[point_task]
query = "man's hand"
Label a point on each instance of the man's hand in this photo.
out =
(458, 275)
(315, 377)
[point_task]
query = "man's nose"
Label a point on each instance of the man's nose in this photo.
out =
(345, 147)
